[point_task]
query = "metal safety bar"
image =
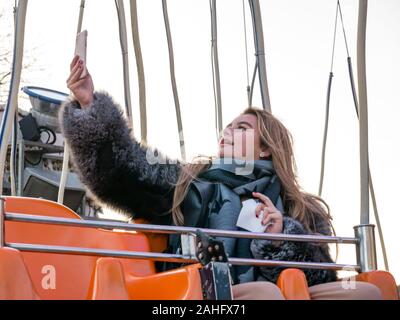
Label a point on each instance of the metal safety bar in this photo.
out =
(167, 229)
(2, 210)
(172, 257)
(366, 255)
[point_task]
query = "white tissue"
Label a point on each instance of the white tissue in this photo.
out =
(247, 218)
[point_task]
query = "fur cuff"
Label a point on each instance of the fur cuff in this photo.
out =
(261, 247)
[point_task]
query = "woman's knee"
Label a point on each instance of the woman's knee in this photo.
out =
(367, 291)
(260, 290)
(270, 289)
(337, 291)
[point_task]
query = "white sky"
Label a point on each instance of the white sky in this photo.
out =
(298, 40)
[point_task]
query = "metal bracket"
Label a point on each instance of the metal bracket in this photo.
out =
(366, 250)
(216, 281)
(188, 245)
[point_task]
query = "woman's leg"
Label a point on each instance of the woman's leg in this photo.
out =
(336, 291)
(260, 290)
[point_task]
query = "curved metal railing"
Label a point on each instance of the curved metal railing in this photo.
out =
(364, 241)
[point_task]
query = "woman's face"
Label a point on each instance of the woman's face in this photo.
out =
(241, 139)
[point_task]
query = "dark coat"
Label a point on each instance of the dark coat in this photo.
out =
(122, 173)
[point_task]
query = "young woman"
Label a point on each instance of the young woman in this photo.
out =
(255, 161)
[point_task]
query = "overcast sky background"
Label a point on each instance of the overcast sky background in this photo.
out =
(298, 41)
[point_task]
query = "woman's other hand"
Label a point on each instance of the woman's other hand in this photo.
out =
(82, 88)
(272, 217)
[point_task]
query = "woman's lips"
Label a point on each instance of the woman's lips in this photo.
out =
(225, 143)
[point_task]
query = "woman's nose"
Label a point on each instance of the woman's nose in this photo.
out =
(224, 133)
(228, 132)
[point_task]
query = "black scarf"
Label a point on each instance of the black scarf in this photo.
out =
(213, 201)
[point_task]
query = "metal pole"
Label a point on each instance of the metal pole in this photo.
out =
(13, 169)
(323, 153)
(260, 52)
(21, 155)
(363, 111)
(140, 70)
(101, 252)
(12, 101)
(2, 221)
(125, 62)
(371, 184)
(171, 257)
(166, 229)
(14, 137)
(292, 264)
(215, 65)
(366, 250)
(173, 81)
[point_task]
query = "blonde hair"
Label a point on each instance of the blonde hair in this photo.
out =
(302, 206)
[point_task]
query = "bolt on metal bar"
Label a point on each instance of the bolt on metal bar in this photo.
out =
(172, 257)
(167, 229)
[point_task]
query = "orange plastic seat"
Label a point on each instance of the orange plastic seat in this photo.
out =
(109, 280)
(384, 281)
(158, 242)
(73, 273)
(177, 284)
(293, 284)
(91, 277)
(15, 283)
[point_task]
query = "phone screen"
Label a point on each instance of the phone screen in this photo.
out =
(81, 48)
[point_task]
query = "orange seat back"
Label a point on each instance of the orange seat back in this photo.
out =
(158, 241)
(176, 284)
(15, 283)
(109, 280)
(66, 276)
(384, 281)
(293, 284)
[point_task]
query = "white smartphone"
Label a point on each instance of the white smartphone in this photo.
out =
(81, 48)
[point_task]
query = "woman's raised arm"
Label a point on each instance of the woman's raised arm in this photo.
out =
(112, 164)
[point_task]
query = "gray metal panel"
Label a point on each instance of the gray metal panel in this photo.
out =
(53, 178)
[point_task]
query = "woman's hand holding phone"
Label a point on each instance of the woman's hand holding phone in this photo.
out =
(81, 88)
